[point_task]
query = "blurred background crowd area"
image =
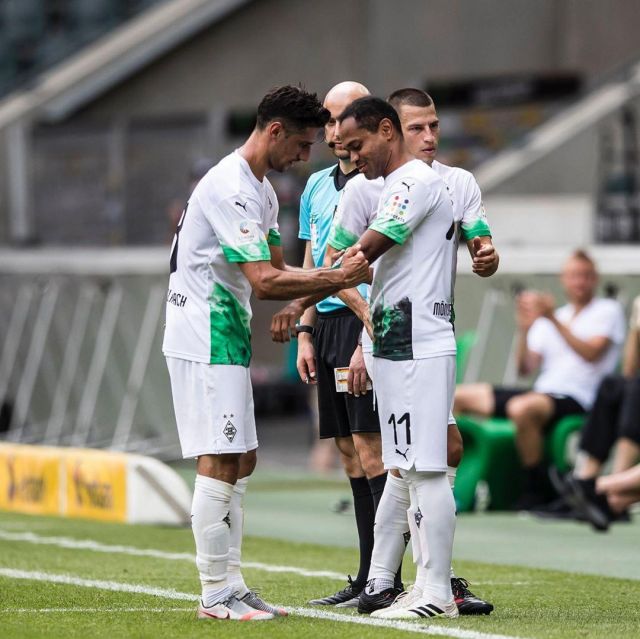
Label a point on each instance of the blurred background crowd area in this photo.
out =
(109, 109)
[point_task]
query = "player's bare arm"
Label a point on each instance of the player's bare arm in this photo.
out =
(271, 283)
(351, 296)
(485, 258)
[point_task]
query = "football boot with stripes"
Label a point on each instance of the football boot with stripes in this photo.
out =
(423, 608)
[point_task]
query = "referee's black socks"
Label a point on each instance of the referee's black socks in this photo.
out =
(365, 511)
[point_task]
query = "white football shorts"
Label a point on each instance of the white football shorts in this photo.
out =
(414, 403)
(213, 404)
(368, 362)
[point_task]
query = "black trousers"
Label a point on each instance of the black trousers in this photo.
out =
(615, 414)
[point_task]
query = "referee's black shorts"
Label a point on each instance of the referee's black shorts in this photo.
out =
(335, 339)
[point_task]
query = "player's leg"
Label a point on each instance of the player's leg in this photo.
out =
(530, 413)
(336, 339)
(468, 603)
(334, 423)
(365, 428)
(210, 403)
(236, 517)
(391, 535)
(415, 397)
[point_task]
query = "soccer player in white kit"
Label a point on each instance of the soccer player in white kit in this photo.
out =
(226, 246)
(414, 346)
(356, 211)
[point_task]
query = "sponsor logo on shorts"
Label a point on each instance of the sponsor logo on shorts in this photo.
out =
(403, 454)
(175, 298)
(227, 519)
(442, 309)
(229, 430)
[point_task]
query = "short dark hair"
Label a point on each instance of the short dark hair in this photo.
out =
(369, 111)
(410, 97)
(296, 108)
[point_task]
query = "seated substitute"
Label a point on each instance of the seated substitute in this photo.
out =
(574, 347)
(614, 420)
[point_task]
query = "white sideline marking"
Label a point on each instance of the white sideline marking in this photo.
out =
(169, 593)
(116, 586)
(93, 610)
(95, 546)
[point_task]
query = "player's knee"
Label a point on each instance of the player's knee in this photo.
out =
(221, 467)
(371, 464)
(247, 464)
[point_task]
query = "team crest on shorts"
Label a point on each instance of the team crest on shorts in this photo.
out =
(418, 517)
(229, 430)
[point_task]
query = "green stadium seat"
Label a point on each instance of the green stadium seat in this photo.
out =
(490, 456)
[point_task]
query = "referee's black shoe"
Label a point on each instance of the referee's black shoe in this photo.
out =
(350, 592)
(467, 602)
(368, 603)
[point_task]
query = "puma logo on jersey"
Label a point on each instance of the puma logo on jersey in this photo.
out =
(408, 186)
(270, 202)
(403, 454)
(242, 206)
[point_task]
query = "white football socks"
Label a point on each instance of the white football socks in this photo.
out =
(211, 530)
(389, 532)
(236, 514)
(432, 520)
(421, 571)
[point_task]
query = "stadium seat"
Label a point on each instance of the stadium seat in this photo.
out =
(490, 456)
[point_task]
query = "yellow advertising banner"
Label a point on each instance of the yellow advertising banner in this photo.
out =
(96, 486)
(29, 481)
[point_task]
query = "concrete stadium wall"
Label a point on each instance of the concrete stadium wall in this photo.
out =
(385, 44)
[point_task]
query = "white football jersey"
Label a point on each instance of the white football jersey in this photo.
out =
(412, 289)
(231, 218)
(358, 206)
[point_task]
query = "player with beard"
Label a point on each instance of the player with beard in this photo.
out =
(227, 246)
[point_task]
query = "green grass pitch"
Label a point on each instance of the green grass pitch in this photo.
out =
(530, 603)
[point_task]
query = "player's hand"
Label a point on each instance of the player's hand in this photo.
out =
(283, 323)
(306, 360)
(486, 259)
(357, 377)
(355, 267)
